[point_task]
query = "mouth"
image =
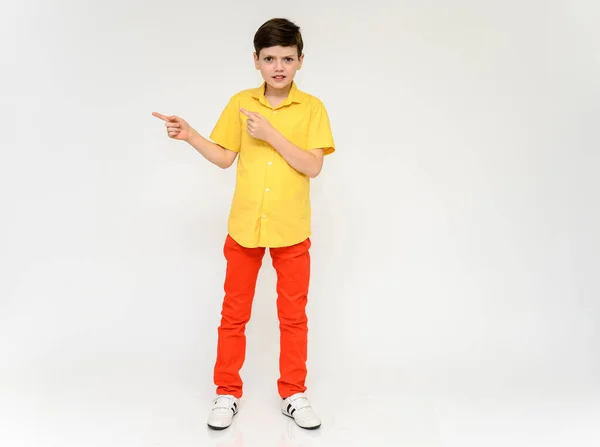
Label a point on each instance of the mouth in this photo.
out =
(279, 77)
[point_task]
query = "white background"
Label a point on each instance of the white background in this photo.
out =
(455, 248)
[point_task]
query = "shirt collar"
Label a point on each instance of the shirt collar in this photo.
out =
(294, 96)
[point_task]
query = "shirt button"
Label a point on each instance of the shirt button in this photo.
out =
(270, 163)
(264, 216)
(268, 189)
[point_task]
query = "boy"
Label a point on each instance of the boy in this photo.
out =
(281, 135)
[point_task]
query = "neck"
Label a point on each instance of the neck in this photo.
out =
(278, 93)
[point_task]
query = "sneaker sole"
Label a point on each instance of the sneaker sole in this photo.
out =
(221, 428)
(212, 427)
(305, 428)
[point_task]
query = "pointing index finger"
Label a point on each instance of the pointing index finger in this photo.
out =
(162, 117)
(251, 115)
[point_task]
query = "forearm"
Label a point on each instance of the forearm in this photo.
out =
(303, 161)
(209, 150)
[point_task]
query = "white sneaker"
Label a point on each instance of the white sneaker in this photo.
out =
(298, 407)
(225, 407)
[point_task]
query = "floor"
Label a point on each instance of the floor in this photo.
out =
(113, 407)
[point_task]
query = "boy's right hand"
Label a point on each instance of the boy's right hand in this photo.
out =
(177, 128)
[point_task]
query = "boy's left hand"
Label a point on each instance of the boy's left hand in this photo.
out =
(258, 126)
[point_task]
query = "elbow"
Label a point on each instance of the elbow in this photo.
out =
(226, 161)
(222, 163)
(314, 174)
(316, 165)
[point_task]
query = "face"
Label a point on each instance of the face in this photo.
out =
(278, 65)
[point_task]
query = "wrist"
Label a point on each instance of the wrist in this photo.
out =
(273, 138)
(193, 135)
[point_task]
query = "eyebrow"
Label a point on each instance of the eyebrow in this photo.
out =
(287, 55)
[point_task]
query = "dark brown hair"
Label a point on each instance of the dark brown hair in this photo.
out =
(278, 32)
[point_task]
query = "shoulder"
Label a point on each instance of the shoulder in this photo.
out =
(307, 97)
(244, 94)
(314, 103)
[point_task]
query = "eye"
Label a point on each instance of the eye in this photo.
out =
(289, 59)
(268, 58)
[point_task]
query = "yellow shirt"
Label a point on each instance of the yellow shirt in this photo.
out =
(271, 202)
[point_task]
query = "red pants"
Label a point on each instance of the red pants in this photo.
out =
(292, 265)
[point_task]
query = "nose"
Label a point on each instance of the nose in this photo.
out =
(278, 66)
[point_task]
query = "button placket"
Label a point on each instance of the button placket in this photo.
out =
(265, 208)
(267, 189)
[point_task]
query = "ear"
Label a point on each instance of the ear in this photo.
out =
(300, 61)
(256, 60)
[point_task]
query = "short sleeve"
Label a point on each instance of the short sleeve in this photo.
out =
(319, 129)
(227, 130)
